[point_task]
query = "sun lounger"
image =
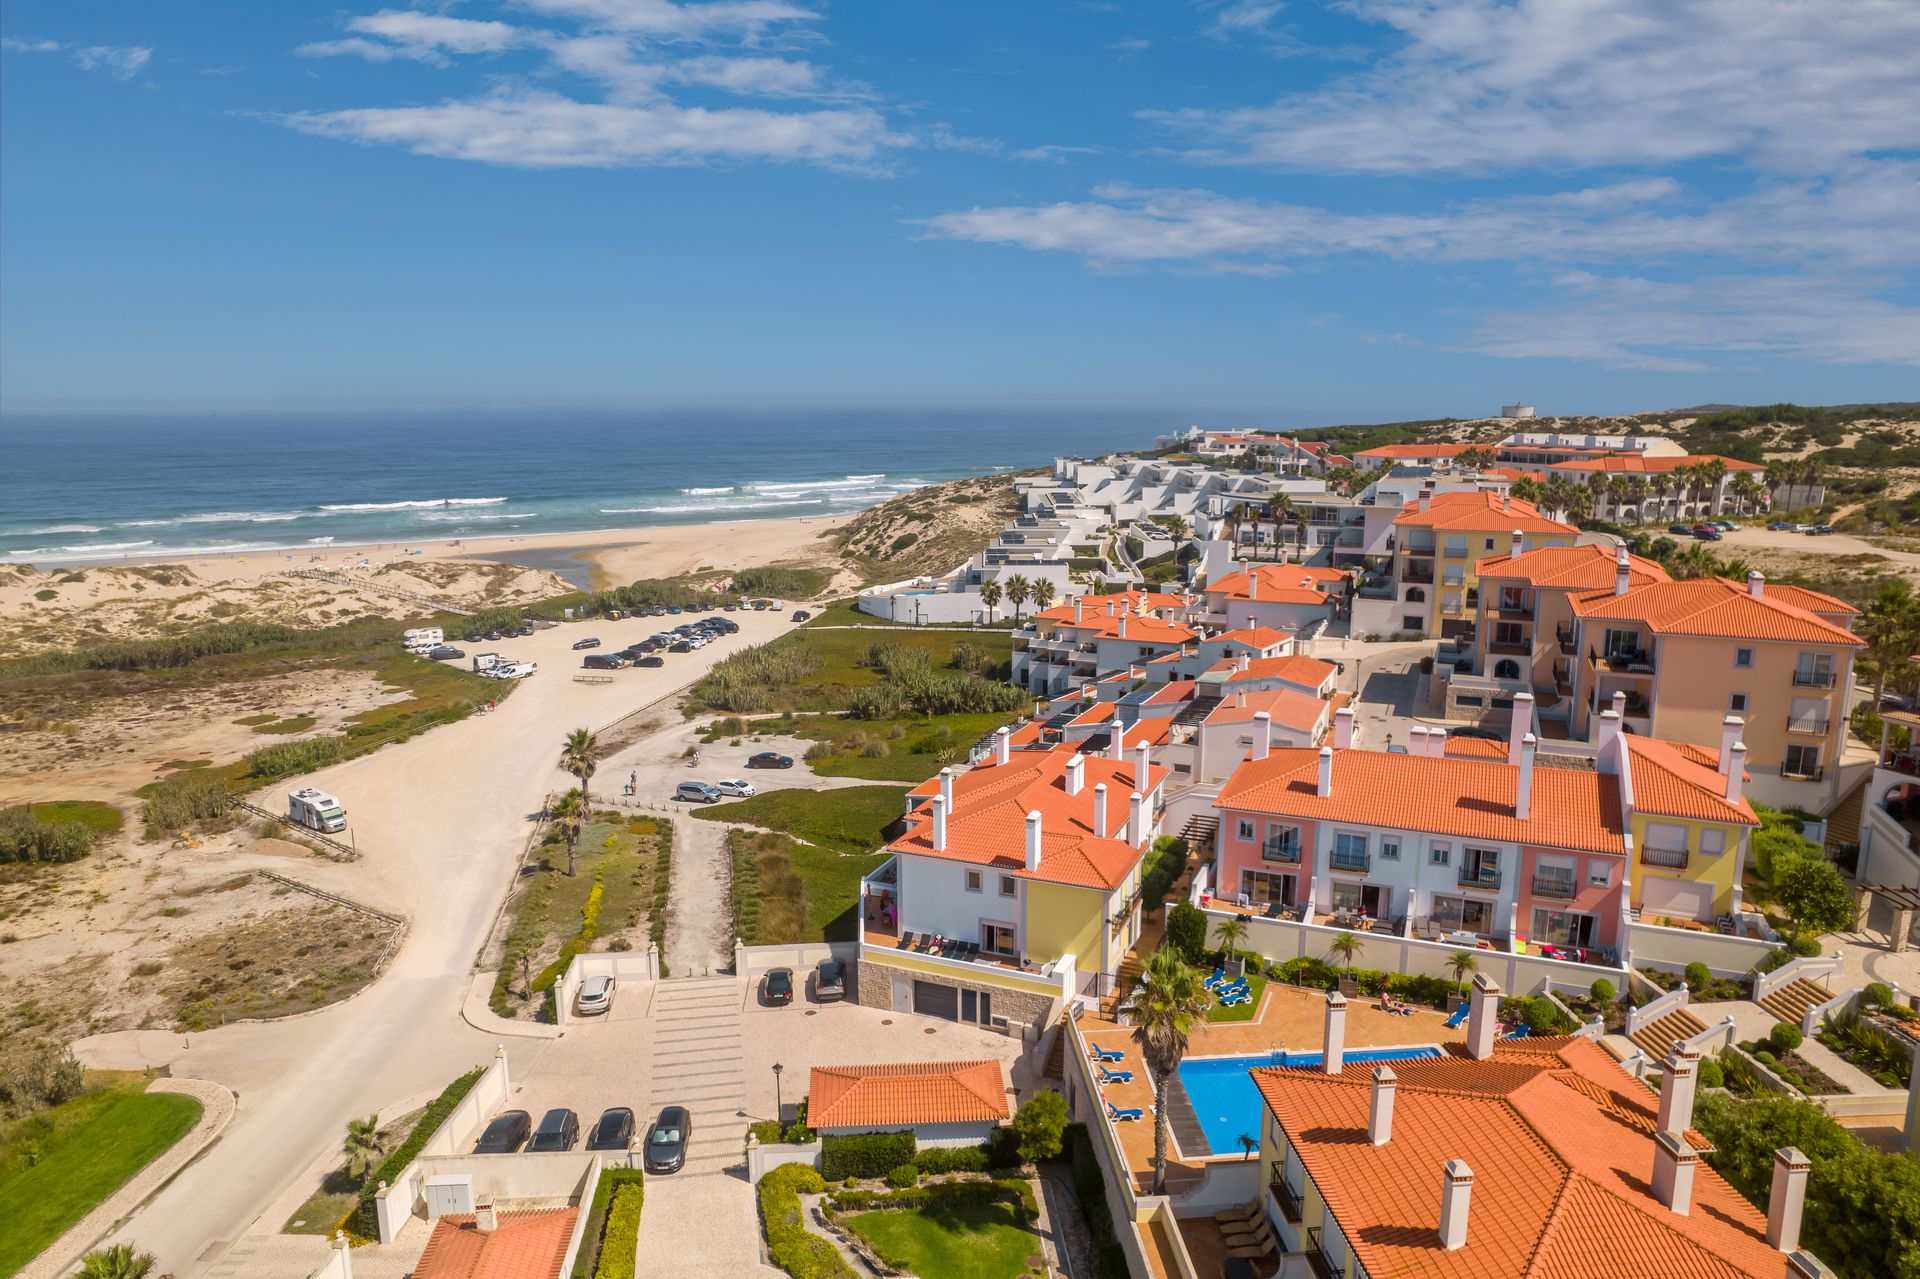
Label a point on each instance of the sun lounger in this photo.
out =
(906, 941)
(1235, 1000)
(1459, 1015)
(1518, 1033)
(1120, 1114)
(1103, 1054)
(1245, 1214)
(1256, 1234)
(1219, 976)
(1113, 1076)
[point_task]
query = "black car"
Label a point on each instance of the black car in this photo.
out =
(613, 1132)
(779, 987)
(505, 1135)
(588, 642)
(681, 646)
(1682, 529)
(559, 1130)
(446, 653)
(1710, 535)
(650, 659)
(770, 759)
(603, 661)
(526, 628)
(666, 1148)
(801, 615)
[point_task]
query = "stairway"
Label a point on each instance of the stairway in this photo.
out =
(1791, 1001)
(1843, 819)
(1124, 981)
(1655, 1039)
(699, 1062)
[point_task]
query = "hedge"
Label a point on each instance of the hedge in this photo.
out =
(365, 1219)
(791, 1247)
(943, 1194)
(1090, 1188)
(593, 1238)
(866, 1154)
(620, 1245)
(1414, 987)
(942, 1159)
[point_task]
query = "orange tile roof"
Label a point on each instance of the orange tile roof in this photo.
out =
(1136, 602)
(1713, 607)
(1559, 1139)
(1174, 690)
(1254, 636)
(529, 1243)
(1279, 583)
(1572, 568)
(1415, 450)
(1676, 783)
(1289, 708)
(1295, 668)
(1480, 511)
(1636, 464)
(1812, 601)
(1476, 748)
(988, 825)
(1465, 797)
(906, 1094)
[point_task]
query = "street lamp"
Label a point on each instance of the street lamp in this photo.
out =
(779, 1107)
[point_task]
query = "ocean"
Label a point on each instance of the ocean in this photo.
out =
(76, 489)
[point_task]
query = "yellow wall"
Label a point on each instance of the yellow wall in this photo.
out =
(1694, 678)
(1480, 543)
(1701, 868)
(1064, 921)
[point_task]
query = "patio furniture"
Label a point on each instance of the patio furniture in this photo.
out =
(1237, 1268)
(1520, 1032)
(1255, 1234)
(1242, 996)
(1112, 1076)
(1459, 1015)
(1102, 1054)
(1219, 977)
(906, 941)
(1245, 1214)
(1124, 1114)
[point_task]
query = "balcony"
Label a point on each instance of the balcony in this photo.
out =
(1323, 1266)
(1813, 679)
(1808, 726)
(1287, 1197)
(1351, 863)
(1511, 648)
(1562, 679)
(1483, 876)
(1564, 634)
(1416, 573)
(1561, 886)
(1281, 850)
(1623, 662)
(1666, 858)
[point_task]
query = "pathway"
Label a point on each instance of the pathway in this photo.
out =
(700, 931)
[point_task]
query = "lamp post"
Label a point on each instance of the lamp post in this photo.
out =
(779, 1106)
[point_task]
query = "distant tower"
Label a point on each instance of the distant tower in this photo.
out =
(1516, 410)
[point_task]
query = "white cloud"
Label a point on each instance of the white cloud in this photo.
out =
(1055, 151)
(16, 44)
(661, 18)
(1135, 45)
(371, 50)
(1242, 17)
(755, 77)
(120, 61)
(454, 35)
(537, 130)
(1480, 85)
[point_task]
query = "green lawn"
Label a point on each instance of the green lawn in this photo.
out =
(870, 749)
(1241, 1012)
(837, 655)
(787, 891)
(849, 820)
(983, 1241)
(101, 819)
(58, 1165)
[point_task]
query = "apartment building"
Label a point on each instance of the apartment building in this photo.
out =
(1508, 1157)
(1534, 452)
(1015, 887)
(1664, 487)
(1438, 542)
(1386, 456)
(1063, 648)
(1273, 597)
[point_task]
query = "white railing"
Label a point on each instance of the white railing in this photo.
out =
(1652, 1011)
(1810, 1020)
(1811, 967)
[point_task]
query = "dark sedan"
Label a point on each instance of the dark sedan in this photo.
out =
(666, 1148)
(505, 1135)
(559, 1130)
(589, 642)
(613, 1132)
(779, 987)
(770, 759)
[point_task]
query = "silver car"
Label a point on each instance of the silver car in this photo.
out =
(596, 996)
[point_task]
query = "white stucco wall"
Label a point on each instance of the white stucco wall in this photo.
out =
(934, 899)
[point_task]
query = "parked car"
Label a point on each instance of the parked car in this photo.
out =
(735, 787)
(1820, 530)
(651, 659)
(779, 986)
(830, 979)
(680, 646)
(801, 615)
(446, 653)
(505, 1135)
(559, 1130)
(614, 1131)
(1682, 529)
(596, 996)
(1710, 535)
(1726, 526)
(770, 759)
(589, 642)
(666, 1145)
(698, 793)
(604, 661)
(526, 629)
(1780, 526)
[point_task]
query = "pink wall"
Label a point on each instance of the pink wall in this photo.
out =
(1235, 854)
(1602, 903)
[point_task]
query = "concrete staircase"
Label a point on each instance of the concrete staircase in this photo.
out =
(699, 1061)
(1124, 981)
(1791, 1001)
(1655, 1039)
(1843, 819)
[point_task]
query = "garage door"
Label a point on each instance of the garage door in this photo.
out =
(1687, 899)
(935, 1000)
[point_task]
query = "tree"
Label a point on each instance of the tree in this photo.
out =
(1460, 963)
(1346, 945)
(569, 814)
(363, 1146)
(1231, 934)
(1169, 1002)
(1891, 627)
(1039, 1125)
(1187, 930)
(1019, 591)
(580, 755)
(118, 1262)
(1279, 510)
(990, 596)
(1043, 594)
(1527, 489)
(1476, 458)
(1814, 895)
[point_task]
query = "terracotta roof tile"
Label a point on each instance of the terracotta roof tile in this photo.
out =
(1254, 636)
(1638, 464)
(1480, 511)
(1415, 450)
(907, 1094)
(1576, 568)
(527, 1244)
(1713, 607)
(1296, 668)
(1812, 601)
(1289, 708)
(1674, 783)
(1279, 583)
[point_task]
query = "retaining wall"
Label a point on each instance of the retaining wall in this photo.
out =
(1672, 949)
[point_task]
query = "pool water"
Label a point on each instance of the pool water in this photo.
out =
(1227, 1103)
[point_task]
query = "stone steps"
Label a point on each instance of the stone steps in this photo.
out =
(1655, 1039)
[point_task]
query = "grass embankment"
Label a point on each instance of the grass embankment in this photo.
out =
(609, 899)
(851, 819)
(814, 669)
(959, 1241)
(907, 748)
(58, 1165)
(787, 891)
(55, 831)
(275, 965)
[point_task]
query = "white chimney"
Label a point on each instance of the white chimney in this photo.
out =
(1483, 1016)
(1734, 771)
(1437, 743)
(1788, 1200)
(1620, 704)
(1730, 729)
(1622, 572)
(1523, 789)
(1324, 787)
(1262, 734)
(1343, 728)
(1380, 1108)
(946, 786)
(1002, 746)
(1506, 503)
(1426, 496)
(1520, 725)
(1142, 761)
(1677, 1082)
(1756, 583)
(1243, 662)
(1253, 588)
(1100, 810)
(1333, 1042)
(1609, 727)
(1076, 775)
(1673, 1164)
(1123, 626)
(1456, 1197)
(1136, 819)
(1117, 743)
(939, 823)
(1033, 840)
(485, 1219)
(1517, 545)
(1076, 610)
(1417, 740)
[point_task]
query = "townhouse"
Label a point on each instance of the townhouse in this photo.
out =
(1438, 542)
(1060, 649)
(1390, 455)
(1015, 887)
(1273, 597)
(1674, 487)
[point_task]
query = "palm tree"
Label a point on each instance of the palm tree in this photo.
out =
(569, 813)
(1891, 627)
(118, 1262)
(1279, 508)
(1637, 497)
(1527, 489)
(1661, 485)
(1460, 963)
(1300, 536)
(1232, 934)
(1694, 561)
(580, 755)
(1597, 487)
(1043, 594)
(1347, 946)
(1019, 591)
(1168, 1003)
(1477, 458)
(990, 596)
(363, 1146)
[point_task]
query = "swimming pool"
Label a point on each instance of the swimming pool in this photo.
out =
(1228, 1105)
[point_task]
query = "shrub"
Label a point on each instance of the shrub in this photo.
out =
(946, 1194)
(1804, 947)
(363, 1221)
(26, 838)
(1090, 1188)
(1784, 1037)
(1038, 1123)
(944, 1159)
(1711, 1075)
(1877, 994)
(903, 1176)
(270, 763)
(866, 1154)
(766, 1131)
(612, 1181)
(620, 1245)
(789, 1244)
(1541, 1015)
(1187, 930)
(175, 803)
(1165, 861)
(1601, 991)
(1698, 976)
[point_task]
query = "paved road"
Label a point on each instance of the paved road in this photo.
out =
(440, 821)
(1830, 544)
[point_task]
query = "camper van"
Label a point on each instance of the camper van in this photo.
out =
(316, 810)
(484, 662)
(421, 638)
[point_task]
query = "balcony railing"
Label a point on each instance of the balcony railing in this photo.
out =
(1803, 724)
(1669, 858)
(1511, 648)
(1813, 679)
(1281, 850)
(1288, 1198)
(1814, 774)
(1323, 1266)
(1554, 886)
(1416, 574)
(1355, 863)
(1482, 876)
(1640, 663)
(1564, 634)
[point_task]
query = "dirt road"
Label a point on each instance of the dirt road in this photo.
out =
(1830, 544)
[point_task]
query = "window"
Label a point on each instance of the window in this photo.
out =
(1622, 643)
(1416, 595)
(973, 881)
(1665, 836)
(1439, 853)
(1713, 841)
(1456, 544)
(1508, 633)
(1346, 844)
(1506, 668)
(1006, 886)
(1599, 874)
(1737, 704)
(1743, 657)
(1410, 622)
(1801, 762)
(1489, 544)
(998, 938)
(1390, 848)
(1244, 829)
(1480, 868)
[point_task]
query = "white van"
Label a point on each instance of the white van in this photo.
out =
(514, 670)
(424, 637)
(483, 663)
(316, 810)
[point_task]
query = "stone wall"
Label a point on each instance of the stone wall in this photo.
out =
(874, 988)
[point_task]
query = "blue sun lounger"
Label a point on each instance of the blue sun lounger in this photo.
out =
(1121, 1114)
(1113, 1076)
(1233, 999)
(1103, 1054)
(1219, 978)
(1459, 1015)
(1519, 1032)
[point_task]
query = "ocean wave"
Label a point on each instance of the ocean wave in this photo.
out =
(94, 549)
(320, 541)
(815, 486)
(463, 517)
(700, 492)
(409, 506)
(66, 528)
(713, 508)
(215, 517)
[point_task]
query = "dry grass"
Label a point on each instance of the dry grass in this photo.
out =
(272, 964)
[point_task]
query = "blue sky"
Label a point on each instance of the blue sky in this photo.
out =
(1292, 213)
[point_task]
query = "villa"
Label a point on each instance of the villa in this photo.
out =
(1273, 597)
(1441, 539)
(1063, 648)
(943, 1103)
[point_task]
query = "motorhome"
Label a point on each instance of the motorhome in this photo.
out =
(484, 662)
(316, 810)
(424, 637)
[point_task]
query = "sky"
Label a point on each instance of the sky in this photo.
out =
(1273, 213)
